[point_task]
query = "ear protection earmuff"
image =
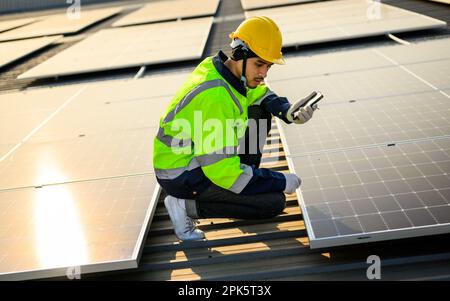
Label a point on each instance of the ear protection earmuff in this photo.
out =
(240, 51)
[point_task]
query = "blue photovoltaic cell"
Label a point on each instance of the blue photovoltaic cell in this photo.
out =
(375, 159)
(385, 188)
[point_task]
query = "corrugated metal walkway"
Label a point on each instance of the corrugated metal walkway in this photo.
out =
(276, 249)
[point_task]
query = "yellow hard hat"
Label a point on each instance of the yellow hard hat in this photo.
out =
(263, 37)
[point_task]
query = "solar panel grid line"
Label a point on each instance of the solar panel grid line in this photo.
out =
(436, 73)
(424, 51)
(334, 150)
(308, 62)
(366, 84)
(404, 68)
(92, 179)
(377, 171)
(40, 125)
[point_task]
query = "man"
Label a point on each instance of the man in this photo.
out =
(195, 153)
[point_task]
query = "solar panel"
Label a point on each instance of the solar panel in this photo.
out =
(436, 73)
(93, 134)
(320, 22)
(74, 228)
(22, 110)
(5, 148)
(351, 86)
(421, 52)
(441, 1)
(11, 24)
(111, 154)
(59, 24)
(169, 10)
(366, 74)
(127, 47)
(381, 121)
(375, 160)
(376, 193)
(78, 189)
(12, 51)
(101, 109)
(326, 64)
(254, 4)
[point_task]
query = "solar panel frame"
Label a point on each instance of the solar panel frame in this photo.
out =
(59, 24)
(258, 4)
(11, 24)
(93, 232)
(14, 50)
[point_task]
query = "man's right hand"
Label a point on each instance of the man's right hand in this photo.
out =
(302, 115)
(302, 110)
(292, 182)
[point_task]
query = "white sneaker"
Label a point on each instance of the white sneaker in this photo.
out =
(183, 225)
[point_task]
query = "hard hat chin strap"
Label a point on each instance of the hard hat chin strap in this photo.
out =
(244, 67)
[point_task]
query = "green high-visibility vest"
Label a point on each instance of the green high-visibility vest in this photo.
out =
(202, 127)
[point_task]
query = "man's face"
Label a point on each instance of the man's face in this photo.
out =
(256, 71)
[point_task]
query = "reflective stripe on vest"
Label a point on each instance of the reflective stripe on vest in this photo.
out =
(197, 90)
(203, 160)
(174, 142)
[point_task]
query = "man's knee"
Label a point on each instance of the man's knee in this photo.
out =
(275, 204)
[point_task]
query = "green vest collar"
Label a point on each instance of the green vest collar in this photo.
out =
(218, 61)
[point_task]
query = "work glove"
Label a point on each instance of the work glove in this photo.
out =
(292, 182)
(302, 115)
(302, 110)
